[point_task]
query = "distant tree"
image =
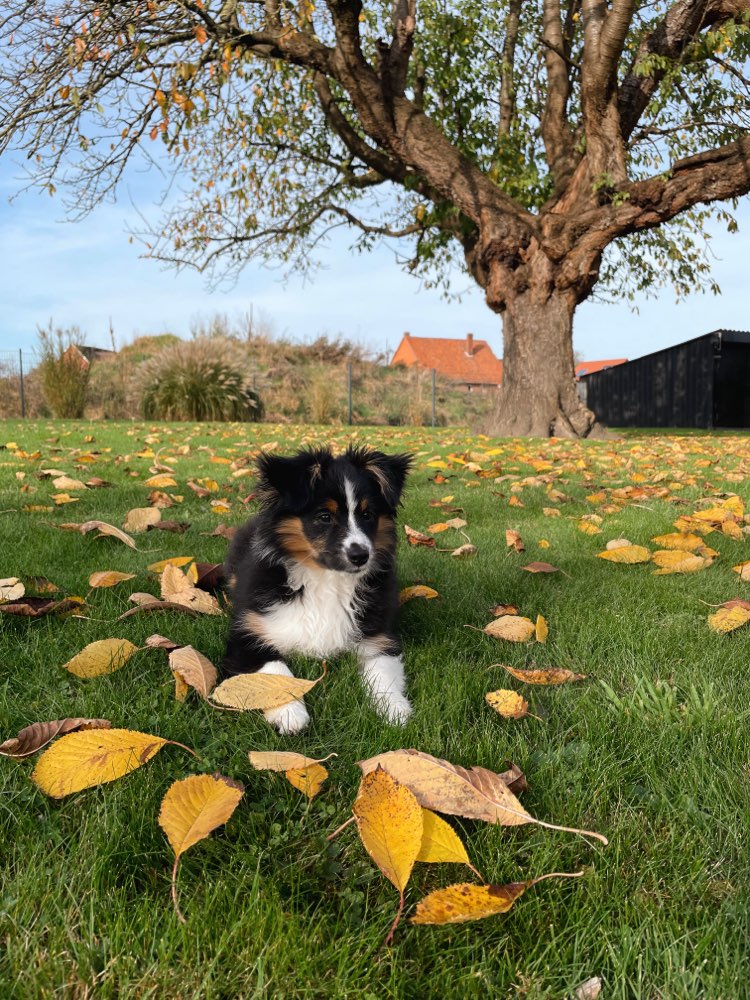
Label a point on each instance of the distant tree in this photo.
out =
(546, 146)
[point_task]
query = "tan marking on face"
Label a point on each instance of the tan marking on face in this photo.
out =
(364, 504)
(385, 537)
(252, 622)
(332, 506)
(295, 542)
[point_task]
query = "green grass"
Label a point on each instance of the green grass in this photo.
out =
(651, 750)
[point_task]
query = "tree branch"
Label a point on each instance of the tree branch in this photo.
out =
(558, 139)
(507, 69)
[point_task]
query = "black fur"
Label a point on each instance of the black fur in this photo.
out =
(297, 524)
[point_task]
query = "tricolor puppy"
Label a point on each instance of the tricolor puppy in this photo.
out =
(314, 573)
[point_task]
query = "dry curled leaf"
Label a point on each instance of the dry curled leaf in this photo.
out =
(37, 607)
(101, 657)
(157, 641)
(86, 759)
(550, 676)
(513, 540)
(108, 578)
(417, 538)
(194, 670)
(11, 589)
(246, 692)
(504, 609)
(590, 989)
(39, 734)
(456, 904)
(507, 703)
(540, 567)
(420, 590)
(464, 551)
(104, 529)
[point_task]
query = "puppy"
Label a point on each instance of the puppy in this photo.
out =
(314, 573)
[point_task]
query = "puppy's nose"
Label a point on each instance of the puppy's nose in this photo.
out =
(357, 554)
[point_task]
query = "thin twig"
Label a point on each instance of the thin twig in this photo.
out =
(177, 909)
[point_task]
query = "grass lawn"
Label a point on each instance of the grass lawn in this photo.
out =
(651, 750)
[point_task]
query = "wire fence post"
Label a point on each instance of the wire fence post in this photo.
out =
(433, 397)
(349, 381)
(20, 382)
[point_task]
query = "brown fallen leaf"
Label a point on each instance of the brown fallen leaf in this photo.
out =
(41, 585)
(66, 483)
(550, 676)
(104, 529)
(11, 589)
(464, 551)
(101, 657)
(221, 531)
(417, 538)
(156, 605)
(513, 540)
(157, 641)
(37, 607)
(456, 904)
(504, 609)
(590, 989)
(736, 602)
(206, 576)
(191, 809)
(194, 670)
(39, 734)
(176, 527)
(108, 578)
(247, 692)
(420, 590)
(474, 793)
(540, 567)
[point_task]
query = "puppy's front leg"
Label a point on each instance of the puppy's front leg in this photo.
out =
(290, 718)
(382, 670)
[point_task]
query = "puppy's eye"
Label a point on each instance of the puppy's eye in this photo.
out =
(366, 515)
(323, 517)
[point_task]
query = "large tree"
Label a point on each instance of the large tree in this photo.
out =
(546, 145)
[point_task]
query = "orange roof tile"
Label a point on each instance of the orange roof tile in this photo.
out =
(450, 357)
(589, 367)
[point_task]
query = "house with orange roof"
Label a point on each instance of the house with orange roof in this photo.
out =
(469, 361)
(465, 360)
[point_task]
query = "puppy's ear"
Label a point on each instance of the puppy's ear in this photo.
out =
(290, 481)
(389, 471)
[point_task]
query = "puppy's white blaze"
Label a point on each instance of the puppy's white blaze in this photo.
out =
(355, 534)
(320, 622)
(385, 680)
(289, 718)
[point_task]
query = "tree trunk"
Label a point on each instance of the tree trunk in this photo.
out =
(538, 397)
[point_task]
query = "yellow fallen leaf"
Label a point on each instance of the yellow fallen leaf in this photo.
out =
(85, 759)
(588, 528)
(161, 481)
(420, 590)
(456, 904)
(66, 483)
(192, 809)
(307, 780)
(108, 578)
(507, 703)
(676, 561)
(687, 541)
(728, 619)
(63, 498)
(262, 691)
(551, 675)
(731, 529)
(158, 567)
(440, 842)
(541, 628)
(283, 760)
(743, 569)
(734, 504)
(435, 529)
(628, 554)
(513, 628)
(551, 512)
(101, 657)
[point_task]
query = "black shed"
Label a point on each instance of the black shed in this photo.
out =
(704, 382)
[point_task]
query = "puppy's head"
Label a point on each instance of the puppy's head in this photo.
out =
(334, 512)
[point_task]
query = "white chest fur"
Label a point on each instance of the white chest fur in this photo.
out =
(321, 621)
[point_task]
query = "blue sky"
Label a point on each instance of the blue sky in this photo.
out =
(86, 273)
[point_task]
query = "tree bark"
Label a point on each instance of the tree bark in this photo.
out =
(538, 397)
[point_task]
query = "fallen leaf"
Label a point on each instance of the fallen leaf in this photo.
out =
(85, 759)
(39, 734)
(540, 567)
(744, 570)
(308, 780)
(193, 669)
(262, 691)
(176, 527)
(456, 904)
(139, 519)
(420, 590)
(417, 538)
(105, 529)
(628, 554)
(589, 990)
(108, 578)
(142, 599)
(101, 657)
(507, 703)
(513, 628)
(504, 609)
(541, 629)
(552, 675)
(158, 567)
(11, 589)
(685, 541)
(588, 528)
(674, 561)
(440, 842)
(456, 522)
(463, 551)
(728, 619)
(37, 607)
(157, 641)
(618, 543)
(513, 540)
(160, 482)
(283, 760)
(436, 529)
(66, 483)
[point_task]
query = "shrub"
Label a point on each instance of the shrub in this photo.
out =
(63, 371)
(202, 379)
(322, 397)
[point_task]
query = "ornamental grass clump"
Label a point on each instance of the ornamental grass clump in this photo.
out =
(202, 379)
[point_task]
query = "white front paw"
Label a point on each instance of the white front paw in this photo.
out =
(394, 707)
(288, 719)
